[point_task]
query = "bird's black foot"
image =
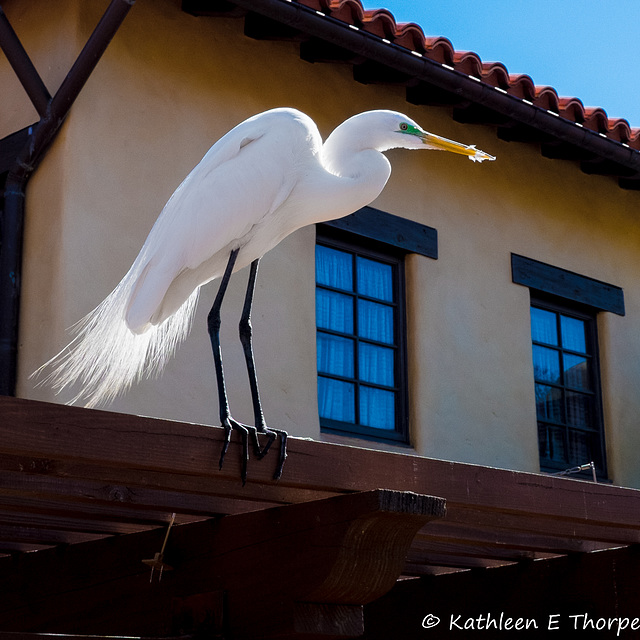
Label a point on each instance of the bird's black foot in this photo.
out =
(272, 434)
(230, 425)
(247, 431)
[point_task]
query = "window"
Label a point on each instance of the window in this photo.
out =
(564, 306)
(567, 388)
(361, 349)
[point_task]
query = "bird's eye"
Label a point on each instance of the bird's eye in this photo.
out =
(404, 126)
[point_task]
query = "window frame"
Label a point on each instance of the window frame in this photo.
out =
(588, 314)
(357, 245)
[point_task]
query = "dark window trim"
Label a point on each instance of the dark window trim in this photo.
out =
(588, 313)
(567, 284)
(410, 236)
(332, 236)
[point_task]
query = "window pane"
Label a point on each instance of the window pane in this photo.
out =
(376, 364)
(542, 440)
(374, 279)
(576, 372)
(377, 408)
(579, 449)
(335, 355)
(546, 364)
(375, 321)
(552, 444)
(334, 311)
(548, 403)
(573, 334)
(579, 409)
(336, 400)
(544, 326)
(334, 268)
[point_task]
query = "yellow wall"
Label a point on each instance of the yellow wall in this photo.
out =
(170, 85)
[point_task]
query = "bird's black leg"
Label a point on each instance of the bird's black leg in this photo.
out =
(246, 340)
(213, 325)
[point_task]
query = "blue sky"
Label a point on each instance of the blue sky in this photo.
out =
(584, 48)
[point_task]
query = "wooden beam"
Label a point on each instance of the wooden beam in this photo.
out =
(516, 132)
(48, 448)
(427, 94)
(605, 167)
(424, 546)
(260, 27)
(573, 286)
(448, 530)
(558, 150)
(213, 8)
(316, 50)
(284, 572)
(369, 72)
(408, 235)
(632, 183)
(477, 114)
(94, 490)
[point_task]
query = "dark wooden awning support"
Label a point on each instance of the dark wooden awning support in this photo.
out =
(297, 571)
(53, 112)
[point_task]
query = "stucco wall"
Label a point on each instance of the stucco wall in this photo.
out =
(169, 86)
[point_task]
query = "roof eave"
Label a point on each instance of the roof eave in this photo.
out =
(516, 118)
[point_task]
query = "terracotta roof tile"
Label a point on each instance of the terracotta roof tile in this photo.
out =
(546, 98)
(496, 74)
(521, 86)
(381, 22)
(467, 62)
(350, 11)
(439, 49)
(596, 119)
(410, 36)
(571, 109)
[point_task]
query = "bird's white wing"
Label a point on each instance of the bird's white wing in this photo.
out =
(225, 203)
(240, 181)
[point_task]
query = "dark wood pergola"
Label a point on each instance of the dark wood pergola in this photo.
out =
(349, 543)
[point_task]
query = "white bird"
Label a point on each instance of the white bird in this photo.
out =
(264, 179)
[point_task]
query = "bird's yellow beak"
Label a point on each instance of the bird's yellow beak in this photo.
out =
(436, 142)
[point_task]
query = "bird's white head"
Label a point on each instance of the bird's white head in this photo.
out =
(391, 130)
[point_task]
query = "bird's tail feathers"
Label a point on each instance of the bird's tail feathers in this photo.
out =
(106, 357)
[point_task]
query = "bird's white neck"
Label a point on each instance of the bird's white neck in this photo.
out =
(357, 175)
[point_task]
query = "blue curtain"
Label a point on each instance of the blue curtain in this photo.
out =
(375, 321)
(374, 279)
(334, 268)
(336, 400)
(377, 408)
(573, 334)
(544, 326)
(366, 317)
(334, 311)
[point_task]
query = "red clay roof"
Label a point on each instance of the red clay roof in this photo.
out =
(381, 22)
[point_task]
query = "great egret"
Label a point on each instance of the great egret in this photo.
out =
(267, 177)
